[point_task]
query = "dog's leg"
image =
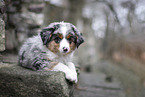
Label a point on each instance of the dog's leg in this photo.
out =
(72, 67)
(68, 73)
(39, 63)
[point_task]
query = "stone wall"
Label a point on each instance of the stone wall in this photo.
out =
(2, 27)
(2, 35)
(23, 19)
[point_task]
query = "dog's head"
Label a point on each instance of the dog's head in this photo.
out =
(61, 37)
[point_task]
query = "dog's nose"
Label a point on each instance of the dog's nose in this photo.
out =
(65, 49)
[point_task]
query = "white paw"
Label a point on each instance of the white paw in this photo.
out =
(72, 77)
(72, 67)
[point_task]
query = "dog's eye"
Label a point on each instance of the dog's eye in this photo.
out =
(57, 39)
(71, 39)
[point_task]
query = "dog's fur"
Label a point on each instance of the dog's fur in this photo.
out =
(52, 49)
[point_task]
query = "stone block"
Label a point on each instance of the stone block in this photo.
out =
(37, 8)
(2, 35)
(16, 81)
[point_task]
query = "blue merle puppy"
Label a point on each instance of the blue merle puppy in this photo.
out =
(52, 49)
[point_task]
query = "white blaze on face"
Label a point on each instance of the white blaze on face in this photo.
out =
(64, 44)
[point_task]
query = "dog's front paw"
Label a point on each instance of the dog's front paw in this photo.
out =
(71, 77)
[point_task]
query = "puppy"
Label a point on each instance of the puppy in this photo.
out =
(52, 49)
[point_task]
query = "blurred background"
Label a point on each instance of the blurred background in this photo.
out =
(112, 59)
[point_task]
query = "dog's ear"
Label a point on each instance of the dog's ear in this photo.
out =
(79, 36)
(80, 40)
(46, 34)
